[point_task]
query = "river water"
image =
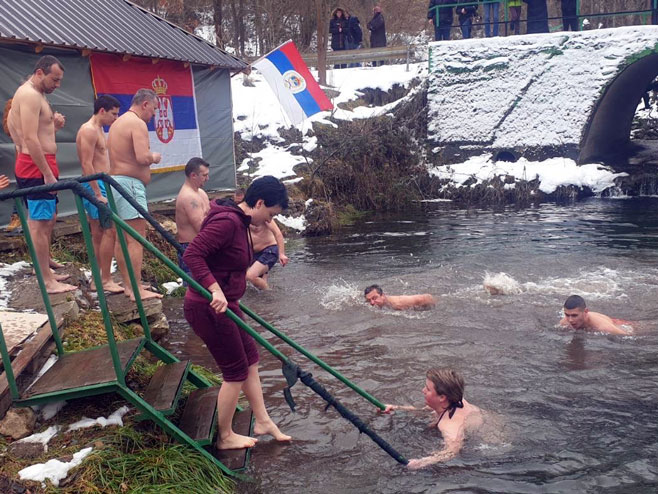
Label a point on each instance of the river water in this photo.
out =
(569, 412)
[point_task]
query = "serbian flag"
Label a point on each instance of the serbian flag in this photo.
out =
(174, 130)
(288, 76)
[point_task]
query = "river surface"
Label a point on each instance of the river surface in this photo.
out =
(569, 411)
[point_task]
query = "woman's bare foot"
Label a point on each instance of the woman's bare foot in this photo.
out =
(144, 294)
(235, 441)
(108, 286)
(57, 287)
(60, 277)
(270, 428)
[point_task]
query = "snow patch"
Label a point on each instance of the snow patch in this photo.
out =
(53, 470)
(114, 419)
(298, 223)
(7, 271)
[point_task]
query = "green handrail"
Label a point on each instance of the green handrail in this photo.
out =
(312, 357)
(96, 274)
(6, 363)
(37, 269)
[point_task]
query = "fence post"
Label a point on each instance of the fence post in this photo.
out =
(408, 51)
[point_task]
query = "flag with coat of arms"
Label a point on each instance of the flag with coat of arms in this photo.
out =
(288, 76)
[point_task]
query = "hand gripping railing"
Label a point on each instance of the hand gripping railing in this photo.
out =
(291, 371)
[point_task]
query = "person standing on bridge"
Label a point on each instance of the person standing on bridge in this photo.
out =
(377, 28)
(339, 32)
(491, 17)
(466, 13)
(443, 21)
(569, 15)
(537, 16)
(515, 16)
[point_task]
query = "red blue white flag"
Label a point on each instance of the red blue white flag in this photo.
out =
(288, 76)
(174, 130)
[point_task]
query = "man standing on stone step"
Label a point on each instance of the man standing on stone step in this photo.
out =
(92, 153)
(130, 162)
(32, 125)
(192, 205)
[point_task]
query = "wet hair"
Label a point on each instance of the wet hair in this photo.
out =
(5, 116)
(107, 102)
(447, 382)
(46, 62)
(193, 166)
(575, 302)
(270, 190)
(143, 95)
(370, 288)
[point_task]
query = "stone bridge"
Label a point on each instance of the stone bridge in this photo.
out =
(539, 96)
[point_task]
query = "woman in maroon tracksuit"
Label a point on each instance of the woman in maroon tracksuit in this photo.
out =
(218, 258)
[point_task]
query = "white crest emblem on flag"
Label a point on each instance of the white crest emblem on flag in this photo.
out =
(294, 82)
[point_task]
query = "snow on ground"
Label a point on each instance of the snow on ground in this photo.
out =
(6, 272)
(114, 419)
(53, 470)
(42, 437)
(551, 173)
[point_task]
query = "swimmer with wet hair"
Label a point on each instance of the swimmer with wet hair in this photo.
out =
(578, 316)
(375, 296)
(444, 397)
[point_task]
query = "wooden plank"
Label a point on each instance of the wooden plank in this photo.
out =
(198, 418)
(236, 459)
(18, 326)
(164, 388)
(75, 370)
(362, 55)
(31, 350)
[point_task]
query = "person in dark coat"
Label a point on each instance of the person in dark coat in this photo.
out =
(339, 32)
(569, 15)
(466, 13)
(442, 22)
(377, 29)
(355, 35)
(537, 16)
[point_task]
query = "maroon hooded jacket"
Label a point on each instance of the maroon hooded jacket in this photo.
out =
(221, 252)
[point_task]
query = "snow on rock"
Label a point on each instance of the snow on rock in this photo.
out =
(298, 223)
(551, 173)
(523, 91)
(171, 286)
(53, 470)
(114, 419)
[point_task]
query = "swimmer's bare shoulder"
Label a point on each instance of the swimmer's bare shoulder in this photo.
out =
(400, 302)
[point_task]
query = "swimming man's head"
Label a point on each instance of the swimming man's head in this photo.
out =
(575, 311)
(375, 295)
(443, 386)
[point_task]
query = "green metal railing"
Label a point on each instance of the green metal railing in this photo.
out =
(110, 211)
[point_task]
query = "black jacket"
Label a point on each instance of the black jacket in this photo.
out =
(537, 16)
(354, 28)
(377, 29)
(338, 30)
(445, 13)
(469, 7)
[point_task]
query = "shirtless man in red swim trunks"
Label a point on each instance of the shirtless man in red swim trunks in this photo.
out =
(32, 124)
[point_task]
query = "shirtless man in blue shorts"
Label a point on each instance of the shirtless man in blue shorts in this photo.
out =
(130, 161)
(268, 249)
(92, 153)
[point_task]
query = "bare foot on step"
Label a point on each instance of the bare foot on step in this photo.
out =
(236, 441)
(145, 295)
(270, 428)
(57, 287)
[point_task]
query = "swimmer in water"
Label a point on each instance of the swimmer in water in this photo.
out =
(444, 396)
(578, 316)
(375, 296)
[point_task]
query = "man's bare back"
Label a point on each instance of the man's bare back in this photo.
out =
(191, 208)
(375, 296)
(262, 236)
(129, 152)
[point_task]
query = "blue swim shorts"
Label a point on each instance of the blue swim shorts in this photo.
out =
(92, 211)
(137, 190)
(181, 263)
(269, 256)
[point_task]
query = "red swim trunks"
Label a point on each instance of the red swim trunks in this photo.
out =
(26, 168)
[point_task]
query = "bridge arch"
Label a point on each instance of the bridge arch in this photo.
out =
(607, 132)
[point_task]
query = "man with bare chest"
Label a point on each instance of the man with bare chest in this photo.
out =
(268, 249)
(92, 153)
(192, 205)
(32, 125)
(130, 162)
